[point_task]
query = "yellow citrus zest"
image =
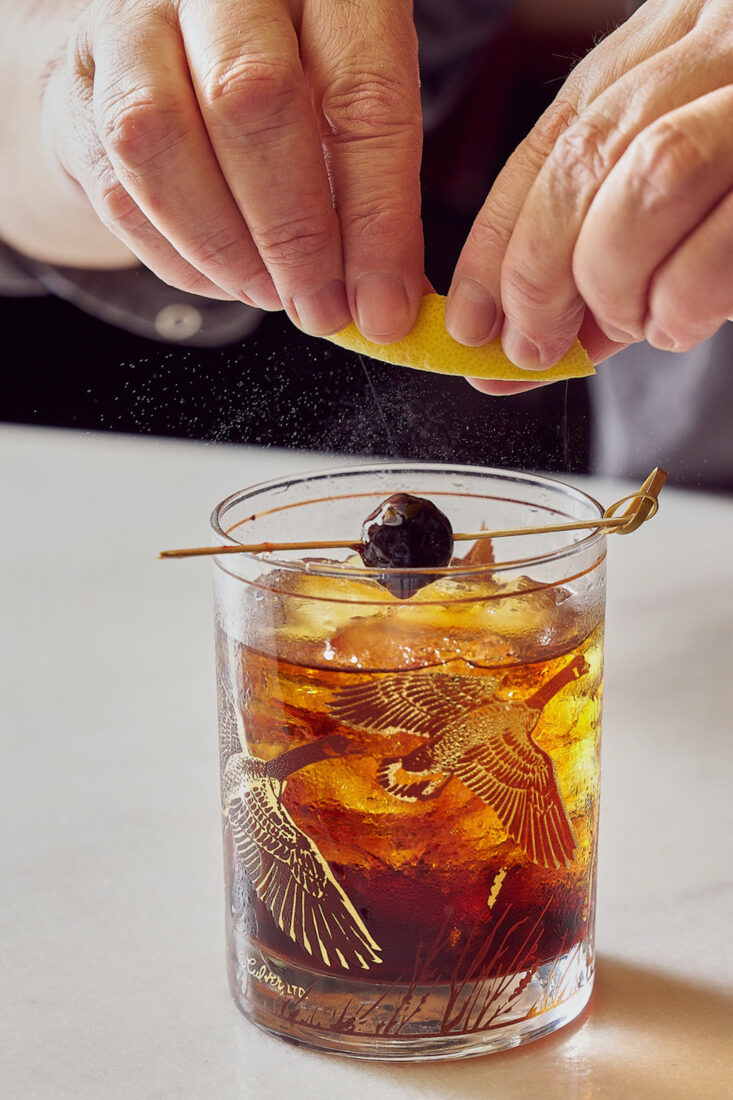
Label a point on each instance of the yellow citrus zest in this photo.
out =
(428, 346)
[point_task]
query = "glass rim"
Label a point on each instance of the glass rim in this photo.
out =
(351, 571)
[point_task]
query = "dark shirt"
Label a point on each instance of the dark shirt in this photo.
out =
(132, 299)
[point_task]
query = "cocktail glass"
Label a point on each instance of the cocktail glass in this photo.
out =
(410, 786)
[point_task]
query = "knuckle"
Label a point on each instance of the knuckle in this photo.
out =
(222, 253)
(491, 232)
(582, 156)
(117, 209)
(294, 243)
(664, 156)
(250, 91)
(141, 125)
(542, 138)
(542, 314)
(362, 105)
(215, 246)
(523, 291)
(376, 221)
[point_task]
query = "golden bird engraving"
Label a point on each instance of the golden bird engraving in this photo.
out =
(286, 870)
(485, 742)
(230, 729)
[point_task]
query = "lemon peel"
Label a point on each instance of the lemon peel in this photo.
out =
(428, 346)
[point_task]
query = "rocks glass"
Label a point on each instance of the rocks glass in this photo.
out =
(410, 786)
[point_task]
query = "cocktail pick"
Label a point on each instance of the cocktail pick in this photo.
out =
(641, 506)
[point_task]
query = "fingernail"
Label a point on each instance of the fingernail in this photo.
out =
(617, 335)
(658, 338)
(518, 349)
(470, 312)
(324, 311)
(382, 309)
(263, 295)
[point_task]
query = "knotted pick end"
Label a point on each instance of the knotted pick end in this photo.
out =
(642, 505)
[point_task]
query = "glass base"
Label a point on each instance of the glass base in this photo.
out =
(411, 1023)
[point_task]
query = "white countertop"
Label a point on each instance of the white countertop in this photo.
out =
(111, 922)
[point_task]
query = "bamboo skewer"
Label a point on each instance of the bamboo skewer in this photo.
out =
(642, 505)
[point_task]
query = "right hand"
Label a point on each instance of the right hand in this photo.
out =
(613, 220)
(265, 151)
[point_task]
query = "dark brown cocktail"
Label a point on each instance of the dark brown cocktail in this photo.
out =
(410, 785)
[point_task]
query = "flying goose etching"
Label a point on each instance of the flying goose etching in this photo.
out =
(484, 741)
(284, 866)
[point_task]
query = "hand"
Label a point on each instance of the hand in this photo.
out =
(613, 220)
(265, 151)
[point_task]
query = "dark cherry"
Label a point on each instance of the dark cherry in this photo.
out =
(406, 532)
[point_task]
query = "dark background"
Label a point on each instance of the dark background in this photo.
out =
(282, 388)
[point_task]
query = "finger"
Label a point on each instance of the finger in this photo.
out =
(151, 129)
(691, 294)
(369, 98)
(475, 310)
(596, 343)
(73, 139)
(256, 106)
(543, 304)
(668, 180)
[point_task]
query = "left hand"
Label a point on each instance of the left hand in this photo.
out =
(613, 219)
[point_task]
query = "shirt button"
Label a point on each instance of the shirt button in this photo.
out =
(178, 322)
